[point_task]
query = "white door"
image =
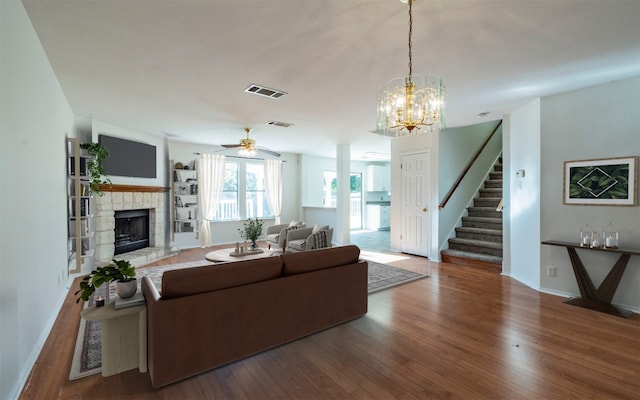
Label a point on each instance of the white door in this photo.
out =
(415, 221)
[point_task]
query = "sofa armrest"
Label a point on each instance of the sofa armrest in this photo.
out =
(276, 228)
(297, 234)
(149, 290)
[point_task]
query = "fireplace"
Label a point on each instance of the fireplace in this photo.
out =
(131, 230)
(130, 198)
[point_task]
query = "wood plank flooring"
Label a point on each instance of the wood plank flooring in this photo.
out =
(461, 334)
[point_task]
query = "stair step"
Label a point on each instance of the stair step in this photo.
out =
(487, 235)
(497, 168)
(486, 202)
(476, 246)
(480, 261)
(491, 192)
(495, 175)
(482, 222)
(487, 212)
(493, 183)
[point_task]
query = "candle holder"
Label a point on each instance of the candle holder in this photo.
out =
(596, 240)
(100, 301)
(586, 236)
(610, 237)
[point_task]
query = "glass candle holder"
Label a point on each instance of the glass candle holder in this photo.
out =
(586, 236)
(596, 240)
(610, 239)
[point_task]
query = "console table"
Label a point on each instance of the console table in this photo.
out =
(597, 299)
(124, 337)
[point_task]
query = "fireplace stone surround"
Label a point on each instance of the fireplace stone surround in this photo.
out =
(130, 197)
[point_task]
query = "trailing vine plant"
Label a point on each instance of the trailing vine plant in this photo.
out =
(97, 173)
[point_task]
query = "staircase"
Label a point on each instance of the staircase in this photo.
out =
(478, 242)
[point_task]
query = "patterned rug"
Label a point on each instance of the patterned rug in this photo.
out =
(87, 354)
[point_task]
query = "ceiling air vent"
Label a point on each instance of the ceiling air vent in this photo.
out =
(278, 123)
(265, 91)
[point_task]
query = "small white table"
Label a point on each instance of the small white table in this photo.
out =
(124, 337)
(224, 255)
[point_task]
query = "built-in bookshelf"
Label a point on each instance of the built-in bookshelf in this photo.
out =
(184, 207)
(81, 232)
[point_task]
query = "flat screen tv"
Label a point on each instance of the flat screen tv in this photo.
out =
(128, 158)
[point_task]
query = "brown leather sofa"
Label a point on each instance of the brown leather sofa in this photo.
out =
(213, 315)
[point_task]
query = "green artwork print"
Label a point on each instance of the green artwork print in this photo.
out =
(603, 182)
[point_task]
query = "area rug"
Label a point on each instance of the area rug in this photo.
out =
(87, 354)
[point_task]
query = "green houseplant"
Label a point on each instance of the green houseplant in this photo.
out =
(120, 271)
(97, 173)
(251, 230)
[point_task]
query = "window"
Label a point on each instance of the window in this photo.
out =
(243, 184)
(330, 184)
(256, 199)
(228, 205)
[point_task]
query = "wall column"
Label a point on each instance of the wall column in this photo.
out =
(343, 172)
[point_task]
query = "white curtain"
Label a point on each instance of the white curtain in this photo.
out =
(273, 186)
(210, 184)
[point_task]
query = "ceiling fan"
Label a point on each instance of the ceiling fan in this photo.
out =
(248, 147)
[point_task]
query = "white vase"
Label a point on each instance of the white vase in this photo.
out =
(126, 289)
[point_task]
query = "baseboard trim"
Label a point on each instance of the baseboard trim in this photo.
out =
(23, 376)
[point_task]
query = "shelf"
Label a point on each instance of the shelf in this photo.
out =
(184, 206)
(80, 235)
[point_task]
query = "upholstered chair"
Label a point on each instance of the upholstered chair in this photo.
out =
(277, 234)
(309, 238)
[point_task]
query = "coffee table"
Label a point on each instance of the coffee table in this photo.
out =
(224, 255)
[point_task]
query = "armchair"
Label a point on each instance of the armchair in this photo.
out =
(277, 234)
(309, 238)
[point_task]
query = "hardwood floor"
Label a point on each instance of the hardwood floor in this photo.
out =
(461, 334)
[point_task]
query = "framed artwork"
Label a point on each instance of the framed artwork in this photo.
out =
(605, 181)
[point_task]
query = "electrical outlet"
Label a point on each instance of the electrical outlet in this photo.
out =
(551, 271)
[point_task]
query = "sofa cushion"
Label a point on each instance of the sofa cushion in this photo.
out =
(295, 223)
(317, 228)
(298, 245)
(313, 260)
(318, 239)
(189, 281)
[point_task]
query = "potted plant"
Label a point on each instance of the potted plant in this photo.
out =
(120, 271)
(251, 230)
(97, 173)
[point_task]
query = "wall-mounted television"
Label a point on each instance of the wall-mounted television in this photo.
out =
(128, 158)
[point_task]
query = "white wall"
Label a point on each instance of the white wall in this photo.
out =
(312, 170)
(34, 119)
(522, 203)
(597, 122)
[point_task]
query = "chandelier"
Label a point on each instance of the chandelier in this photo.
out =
(406, 105)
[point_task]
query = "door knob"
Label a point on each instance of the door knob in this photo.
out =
(424, 210)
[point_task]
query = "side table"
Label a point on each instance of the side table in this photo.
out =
(124, 337)
(597, 299)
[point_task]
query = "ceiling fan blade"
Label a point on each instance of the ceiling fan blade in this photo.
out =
(270, 152)
(230, 146)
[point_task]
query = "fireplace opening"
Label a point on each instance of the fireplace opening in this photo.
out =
(131, 230)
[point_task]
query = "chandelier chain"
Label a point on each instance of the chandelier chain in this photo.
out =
(410, 34)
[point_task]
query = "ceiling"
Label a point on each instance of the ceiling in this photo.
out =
(179, 68)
